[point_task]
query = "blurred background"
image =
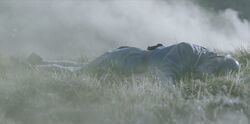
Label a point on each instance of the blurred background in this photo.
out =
(73, 28)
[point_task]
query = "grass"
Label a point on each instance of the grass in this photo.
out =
(31, 96)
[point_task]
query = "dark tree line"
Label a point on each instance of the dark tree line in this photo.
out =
(242, 6)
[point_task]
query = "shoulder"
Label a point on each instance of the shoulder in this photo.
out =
(196, 49)
(184, 48)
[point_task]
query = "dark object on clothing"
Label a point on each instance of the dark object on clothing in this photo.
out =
(173, 62)
(154, 47)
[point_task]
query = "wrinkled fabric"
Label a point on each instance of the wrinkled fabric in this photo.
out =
(55, 66)
(122, 61)
(174, 62)
(180, 60)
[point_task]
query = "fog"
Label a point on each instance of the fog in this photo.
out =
(61, 28)
(73, 28)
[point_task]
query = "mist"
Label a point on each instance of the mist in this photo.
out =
(62, 28)
(73, 29)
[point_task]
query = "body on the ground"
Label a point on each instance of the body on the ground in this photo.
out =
(172, 62)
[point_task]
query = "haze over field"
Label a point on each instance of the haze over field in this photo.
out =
(75, 29)
(55, 28)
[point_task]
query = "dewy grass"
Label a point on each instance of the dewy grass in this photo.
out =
(32, 96)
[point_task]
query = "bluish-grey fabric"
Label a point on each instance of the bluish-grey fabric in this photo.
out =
(173, 62)
(180, 59)
(123, 61)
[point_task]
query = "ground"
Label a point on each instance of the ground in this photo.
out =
(32, 96)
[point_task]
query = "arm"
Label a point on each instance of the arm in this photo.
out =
(179, 61)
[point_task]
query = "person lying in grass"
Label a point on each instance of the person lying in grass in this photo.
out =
(174, 62)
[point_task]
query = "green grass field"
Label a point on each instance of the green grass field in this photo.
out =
(32, 96)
